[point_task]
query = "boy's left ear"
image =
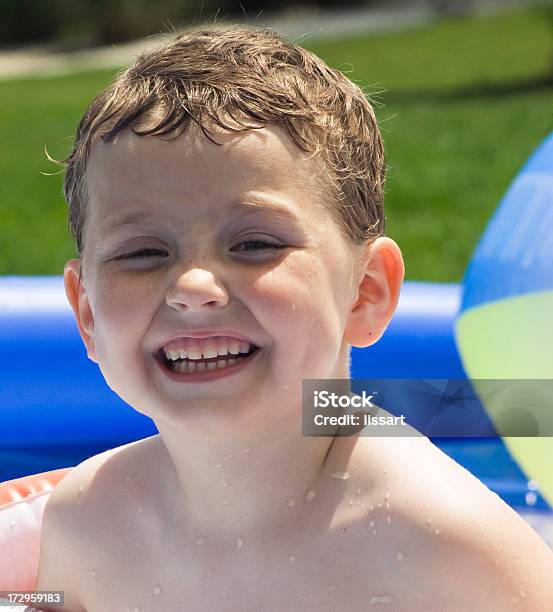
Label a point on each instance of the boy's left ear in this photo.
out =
(380, 279)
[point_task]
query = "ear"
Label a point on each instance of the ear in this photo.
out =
(78, 299)
(380, 278)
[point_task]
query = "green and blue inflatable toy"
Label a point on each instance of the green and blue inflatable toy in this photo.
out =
(505, 327)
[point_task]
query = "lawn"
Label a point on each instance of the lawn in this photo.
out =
(462, 104)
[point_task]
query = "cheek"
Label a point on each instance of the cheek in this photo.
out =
(121, 310)
(122, 318)
(302, 304)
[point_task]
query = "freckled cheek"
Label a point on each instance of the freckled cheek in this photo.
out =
(122, 313)
(295, 305)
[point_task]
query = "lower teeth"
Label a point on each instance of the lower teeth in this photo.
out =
(187, 367)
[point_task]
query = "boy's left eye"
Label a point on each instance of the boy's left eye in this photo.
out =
(256, 245)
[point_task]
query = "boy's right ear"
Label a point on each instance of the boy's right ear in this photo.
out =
(78, 299)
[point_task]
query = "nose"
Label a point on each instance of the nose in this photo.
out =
(195, 289)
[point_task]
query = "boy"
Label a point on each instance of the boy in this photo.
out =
(222, 260)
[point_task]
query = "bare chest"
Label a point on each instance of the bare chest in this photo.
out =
(337, 572)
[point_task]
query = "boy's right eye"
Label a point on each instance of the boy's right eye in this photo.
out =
(142, 253)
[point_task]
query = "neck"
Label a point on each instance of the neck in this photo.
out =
(245, 488)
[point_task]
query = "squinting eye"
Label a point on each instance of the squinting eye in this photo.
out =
(255, 245)
(142, 253)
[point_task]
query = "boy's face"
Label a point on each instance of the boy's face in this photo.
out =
(207, 217)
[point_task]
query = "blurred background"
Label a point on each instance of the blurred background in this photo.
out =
(463, 91)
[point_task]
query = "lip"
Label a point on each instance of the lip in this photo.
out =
(206, 375)
(204, 333)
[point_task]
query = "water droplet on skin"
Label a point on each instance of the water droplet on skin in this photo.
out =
(81, 488)
(523, 594)
(371, 523)
(385, 471)
(293, 307)
(333, 587)
(138, 544)
(437, 532)
(239, 543)
(227, 457)
(224, 483)
(378, 599)
(374, 531)
(139, 509)
(358, 491)
(200, 541)
(429, 521)
(292, 559)
(12, 525)
(533, 485)
(379, 505)
(340, 475)
(93, 573)
(246, 450)
(371, 507)
(286, 387)
(387, 495)
(291, 502)
(531, 498)
(127, 479)
(157, 590)
(389, 519)
(136, 609)
(218, 465)
(226, 502)
(351, 502)
(310, 495)
(399, 556)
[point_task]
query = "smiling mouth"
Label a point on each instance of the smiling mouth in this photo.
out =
(189, 366)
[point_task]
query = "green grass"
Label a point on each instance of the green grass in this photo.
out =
(463, 104)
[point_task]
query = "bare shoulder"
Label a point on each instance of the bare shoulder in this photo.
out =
(73, 516)
(468, 548)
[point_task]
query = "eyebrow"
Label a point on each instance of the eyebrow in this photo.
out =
(254, 204)
(128, 219)
(242, 206)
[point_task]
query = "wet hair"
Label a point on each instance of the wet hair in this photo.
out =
(250, 75)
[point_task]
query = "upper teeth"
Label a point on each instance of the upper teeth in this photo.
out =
(211, 349)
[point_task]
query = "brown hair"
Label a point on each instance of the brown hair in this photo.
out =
(207, 74)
